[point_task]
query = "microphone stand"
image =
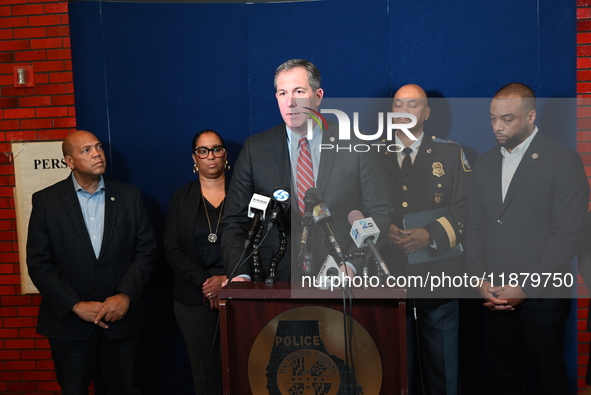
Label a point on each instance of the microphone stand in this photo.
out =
(257, 270)
(277, 257)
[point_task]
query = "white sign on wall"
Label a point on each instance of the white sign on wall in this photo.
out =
(36, 165)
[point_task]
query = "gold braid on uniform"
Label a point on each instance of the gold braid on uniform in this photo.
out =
(451, 234)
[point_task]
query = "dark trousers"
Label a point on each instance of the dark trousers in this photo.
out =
(532, 335)
(109, 362)
(199, 326)
(433, 341)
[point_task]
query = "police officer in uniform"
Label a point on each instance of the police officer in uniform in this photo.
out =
(429, 173)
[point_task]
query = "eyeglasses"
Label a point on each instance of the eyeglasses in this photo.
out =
(203, 152)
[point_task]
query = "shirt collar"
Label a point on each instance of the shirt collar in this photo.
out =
(522, 147)
(316, 134)
(415, 145)
(294, 138)
(77, 187)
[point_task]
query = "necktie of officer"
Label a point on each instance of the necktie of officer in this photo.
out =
(406, 162)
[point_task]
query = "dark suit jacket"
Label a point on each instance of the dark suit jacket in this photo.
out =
(181, 249)
(536, 228)
(427, 188)
(63, 265)
(347, 181)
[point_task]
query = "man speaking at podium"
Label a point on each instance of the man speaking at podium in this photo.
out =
(283, 158)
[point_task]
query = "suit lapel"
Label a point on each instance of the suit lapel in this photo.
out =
(72, 204)
(529, 160)
(327, 158)
(282, 158)
(390, 162)
(194, 196)
(111, 205)
(497, 179)
(422, 159)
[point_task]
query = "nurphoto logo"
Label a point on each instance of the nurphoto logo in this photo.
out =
(345, 130)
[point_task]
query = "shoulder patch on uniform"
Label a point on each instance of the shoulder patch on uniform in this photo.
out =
(465, 163)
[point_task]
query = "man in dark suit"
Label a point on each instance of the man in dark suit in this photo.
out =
(430, 173)
(90, 250)
(346, 180)
(527, 206)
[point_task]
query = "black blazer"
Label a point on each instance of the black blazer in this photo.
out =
(347, 181)
(536, 228)
(179, 243)
(63, 265)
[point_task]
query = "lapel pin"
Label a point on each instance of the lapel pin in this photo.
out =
(534, 155)
(429, 150)
(112, 199)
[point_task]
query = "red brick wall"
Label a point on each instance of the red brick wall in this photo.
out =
(32, 33)
(584, 148)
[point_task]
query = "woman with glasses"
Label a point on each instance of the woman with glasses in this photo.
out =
(192, 243)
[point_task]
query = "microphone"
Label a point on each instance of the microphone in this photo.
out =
(310, 200)
(256, 210)
(323, 219)
(328, 270)
(282, 196)
(363, 232)
(280, 204)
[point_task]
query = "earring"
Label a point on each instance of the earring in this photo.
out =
(195, 168)
(227, 166)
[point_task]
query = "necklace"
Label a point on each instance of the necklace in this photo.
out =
(213, 237)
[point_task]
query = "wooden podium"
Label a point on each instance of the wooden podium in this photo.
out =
(247, 308)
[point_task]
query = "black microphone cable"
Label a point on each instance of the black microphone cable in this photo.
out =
(348, 329)
(209, 359)
(240, 263)
(243, 261)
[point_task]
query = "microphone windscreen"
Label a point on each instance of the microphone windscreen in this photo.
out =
(354, 216)
(313, 196)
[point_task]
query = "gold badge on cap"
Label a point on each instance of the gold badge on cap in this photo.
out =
(535, 155)
(438, 197)
(437, 169)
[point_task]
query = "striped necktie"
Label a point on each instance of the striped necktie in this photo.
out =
(305, 172)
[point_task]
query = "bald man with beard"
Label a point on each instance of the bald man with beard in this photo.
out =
(527, 207)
